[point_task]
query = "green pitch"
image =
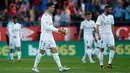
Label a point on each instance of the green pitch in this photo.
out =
(47, 65)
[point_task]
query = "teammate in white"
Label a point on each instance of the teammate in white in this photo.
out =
(47, 40)
(14, 30)
(105, 23)
(88, 26)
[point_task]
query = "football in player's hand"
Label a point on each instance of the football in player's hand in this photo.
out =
(63, 31)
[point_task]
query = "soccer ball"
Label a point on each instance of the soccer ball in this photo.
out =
(66, 31)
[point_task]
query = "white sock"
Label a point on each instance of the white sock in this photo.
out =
(96, 52)
(101, 58)
(89, 52)
(85, 55)
(11, 56)
(111, 55)
(57, 59)
(37, 60)
(19, 54)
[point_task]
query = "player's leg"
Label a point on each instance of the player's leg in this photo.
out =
(89, 50)
(11, 46)
(56, 57)
(39, 55)
(96, 49)
(111, 53)
(103, 45)
(18, 45)
(85, 51)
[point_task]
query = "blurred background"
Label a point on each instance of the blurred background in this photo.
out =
(68, 14)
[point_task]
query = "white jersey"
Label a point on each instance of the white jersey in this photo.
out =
(105, 23)
(88, 28)
(14, 29)
(47, 26)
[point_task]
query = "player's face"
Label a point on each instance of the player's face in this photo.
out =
(52, 8)
(88, 17)
(14, 20)
(109, 10)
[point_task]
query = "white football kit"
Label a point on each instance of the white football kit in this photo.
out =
(46, 37)
(105, 23)
(14, 31)
(88, 28)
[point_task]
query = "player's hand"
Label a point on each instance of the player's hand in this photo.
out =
(78, 38)
(62, 31)
(99, 37)
(14, 36)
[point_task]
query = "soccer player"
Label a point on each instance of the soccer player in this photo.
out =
(88, 26)
(47, 40)
(14, 30)
(105, 23)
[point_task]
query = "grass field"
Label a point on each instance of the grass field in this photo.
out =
(47, 65)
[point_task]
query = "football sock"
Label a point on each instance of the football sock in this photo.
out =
(11, 56)
(89, 52)
(111, 55)
(85, 55)
(57, 59)
(96, 52)
(19, 54)
(101, 58)
(37, 60)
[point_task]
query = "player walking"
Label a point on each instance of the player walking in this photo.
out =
(88, 26)
(47, 40)
(105, 24)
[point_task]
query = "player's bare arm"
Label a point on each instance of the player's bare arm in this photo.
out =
(80, 32)
(94, 35)
(98, 32)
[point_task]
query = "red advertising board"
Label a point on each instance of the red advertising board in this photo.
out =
(122, 31)
(33, 34)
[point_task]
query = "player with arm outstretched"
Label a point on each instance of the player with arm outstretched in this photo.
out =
(105, 23)
(88, 28)
(46, 39)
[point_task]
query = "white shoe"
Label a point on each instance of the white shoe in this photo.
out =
(83, 61)
(61, 69)
(35, 69)
(92, 62)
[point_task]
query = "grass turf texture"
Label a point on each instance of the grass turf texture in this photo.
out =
(47, 65)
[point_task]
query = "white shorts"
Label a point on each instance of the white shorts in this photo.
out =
(14, 42)
(88, 42)
(107, 40)
(46, 44)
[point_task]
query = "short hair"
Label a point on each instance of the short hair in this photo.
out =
(49, 4)
(88, 13)
(107, 7)
(14, 17)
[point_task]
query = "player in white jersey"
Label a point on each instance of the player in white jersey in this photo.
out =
(46, 39)
(88, 27)
(14, 30)
(105, 23)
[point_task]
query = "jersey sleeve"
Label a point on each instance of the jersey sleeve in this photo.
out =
(98, 22)
(113, 22)
(47, 25)
(81, 25)
(10, 30)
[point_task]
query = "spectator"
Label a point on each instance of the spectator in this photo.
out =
(118, 12)
(127, 13)
(82, 4)
(26, 21)
(5, 17)
(57, 18)
(64, 19)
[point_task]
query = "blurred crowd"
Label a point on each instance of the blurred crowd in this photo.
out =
(67, 12)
